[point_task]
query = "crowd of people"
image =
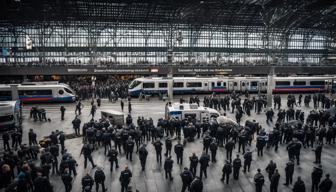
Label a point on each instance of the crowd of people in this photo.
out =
(20, 171)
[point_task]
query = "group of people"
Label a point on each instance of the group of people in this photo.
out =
(20, 172)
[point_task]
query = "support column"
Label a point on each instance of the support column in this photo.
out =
(170, 86)
(15, 92)
(270, 83)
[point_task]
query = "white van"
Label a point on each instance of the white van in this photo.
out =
(10, 114)
(185, 110)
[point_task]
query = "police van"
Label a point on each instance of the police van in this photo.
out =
(186, 110)
(10, 114)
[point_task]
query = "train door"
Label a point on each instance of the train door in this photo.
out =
(327, 85)
(236, 85)
(231, 86)
(243, 86)
(263, 86)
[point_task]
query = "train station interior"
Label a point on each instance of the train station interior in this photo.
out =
(167, 95)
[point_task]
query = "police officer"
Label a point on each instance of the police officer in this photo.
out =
(106, 139)
(99, 178)
(61, 139)
(168, 167)
(143, 156)
(42, 183)
(113, 158)
(87, 150)
(67, 180)
(169, 145)
(275, 181)
(125, 179)
(204, 161)
(213, 150)
(129, 148)
(236, 167)
(87, 182)
(289, 169)
(196, 185)
(269, 115)
(158, 149)
(187, 178)
(260, 145)
(247, 160)
(326, 184)
(178, 149)
(270, 169)
(79, 107)
(32, 137)
(299, 185)
(229, 147)
(316, 176)
(193, 163)
(76, 125)
(318, 152)
(259, 181)
(227, 170)
(5, 138)
(72, 165)
(206, 143)
(54, 150)
(62, 109)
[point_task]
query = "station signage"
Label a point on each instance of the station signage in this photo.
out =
(203, 70)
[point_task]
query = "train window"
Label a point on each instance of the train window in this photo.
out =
(299, 83)
(235, 84)
(254, 83)
(148, 85)
(5, 93)
(219, 84)
(68, 90)
(282, 83)
(212, 84)
(224, 84)
(61, 92)
(178, 84)
(163, 85)
(35, 92)
(194, 84)
(205, 84)
(317, 83)
(243, 84)
(190, 115)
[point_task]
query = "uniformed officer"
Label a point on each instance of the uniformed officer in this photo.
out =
(259, 181)
(213, 150)
(326, 184)
(169, 145)
(275, 181)
(193, 163)
(67, 180)
(206, 143)
(196, 185)
(227, 170)
(129, 148)
(87, 182)
(62, 109)
(204, 161)
(236, 167)
(299, 185)
(168, 167)
(76, 125)
(72, 165)
(270, 169)
(178, 149)
(32, 137)
(99, 178)
(41, 183)
(318, 152)
(62, 141)
(5, 138)
(106, 139)
(158, 149)
(113, 158)
(187, 178)
(143, 156)
(125, 179)
(247, 160)
(87, 150)
(54, 150)
(316, 176)
(289, 169)
(229, 147)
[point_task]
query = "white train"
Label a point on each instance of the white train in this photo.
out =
(193, 85)
(40, 92)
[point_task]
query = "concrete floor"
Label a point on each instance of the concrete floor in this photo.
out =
(153, 180)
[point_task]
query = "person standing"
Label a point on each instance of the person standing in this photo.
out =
(122, 105)
(42, 183)
(247, 160)
(187, 178)
(87, 150)
(236, 167)
(5, 138)
(169, 146)
(318, 152)
(129, 148)
(76, 125)
(143, 156)
(213, 150)
(229, 147)
(99, 178)
(158, 149)
(129, 107)
(125, 179)
(67, 180)
(227, 170)
(204, 161)
(316, 176)
(275, 181)
(196, 185)
(168, 167)
(326, 184)
(299, 186)
(270, 169)
(87, 183)
(113, 158)
(259, 181)
(62, 109)
(193, 163)
(178, 149)
(79, 107)
(289, 169)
